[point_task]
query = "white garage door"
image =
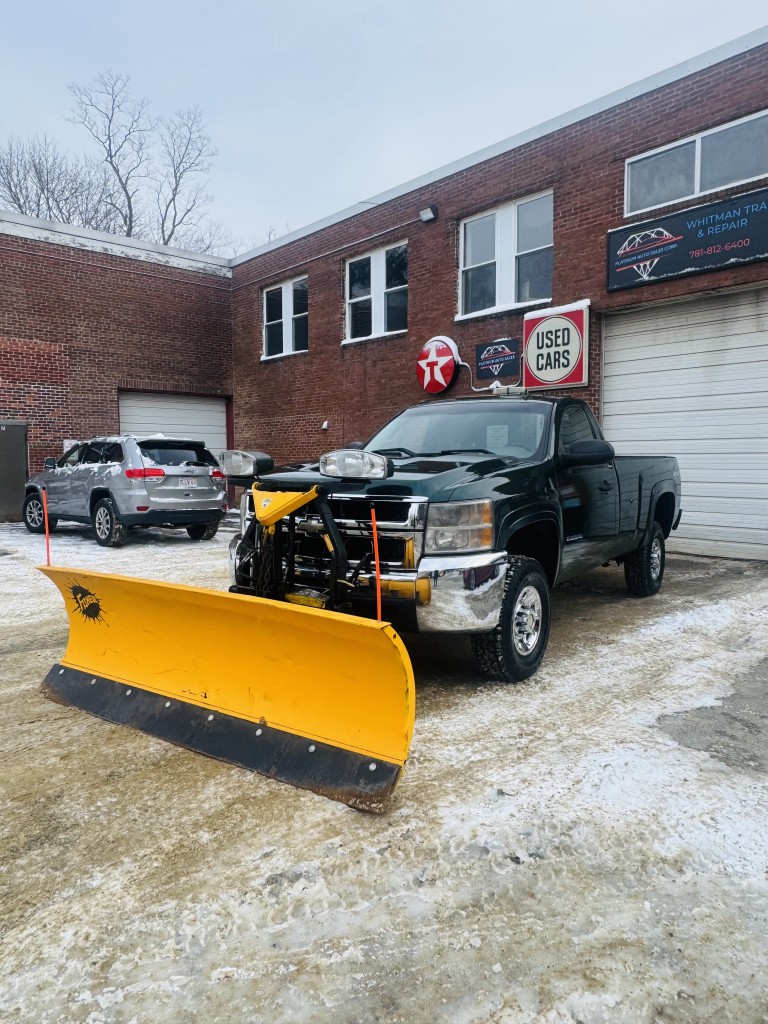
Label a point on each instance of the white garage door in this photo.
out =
(691, 380)
(187, 416)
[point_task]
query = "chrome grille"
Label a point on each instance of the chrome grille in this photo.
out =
(399, 523)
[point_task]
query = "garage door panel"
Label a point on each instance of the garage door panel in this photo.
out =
(681, 442)
(700, 528)
(717, 547)
(691, 380)
(728, 491)
(744, 406)
(723, 514)
(641, 345)
(740, 378)
(751, 470)
(690, 360)
(742, 312)
(189, 416)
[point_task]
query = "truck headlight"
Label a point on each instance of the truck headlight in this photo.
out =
(356, 464)
(459, 526)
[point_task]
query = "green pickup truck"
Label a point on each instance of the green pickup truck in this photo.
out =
(480, 505)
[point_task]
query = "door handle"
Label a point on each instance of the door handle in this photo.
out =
(604, 486)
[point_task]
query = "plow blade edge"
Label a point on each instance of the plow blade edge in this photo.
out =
(320, 700)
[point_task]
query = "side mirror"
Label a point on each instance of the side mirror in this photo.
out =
(587, 453)
(50, 463)
(354, 445)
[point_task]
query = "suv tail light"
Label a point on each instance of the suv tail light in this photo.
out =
(139, 474)
(216, 474)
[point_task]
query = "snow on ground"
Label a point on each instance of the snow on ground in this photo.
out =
(551, 856)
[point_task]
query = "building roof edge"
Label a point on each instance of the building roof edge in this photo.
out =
(86, 239)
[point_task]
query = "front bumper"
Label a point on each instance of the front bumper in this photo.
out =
(465, 592)
(444, 594)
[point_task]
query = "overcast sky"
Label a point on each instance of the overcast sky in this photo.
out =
(317, 104)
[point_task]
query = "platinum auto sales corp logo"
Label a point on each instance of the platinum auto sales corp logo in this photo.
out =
(556, 346)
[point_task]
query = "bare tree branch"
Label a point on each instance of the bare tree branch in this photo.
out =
(37, 180)
(186, 152)
(150, 180)
(123, 128)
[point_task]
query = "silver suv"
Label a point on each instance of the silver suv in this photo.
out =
(116, 482)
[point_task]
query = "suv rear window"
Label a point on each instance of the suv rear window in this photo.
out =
(170, 454)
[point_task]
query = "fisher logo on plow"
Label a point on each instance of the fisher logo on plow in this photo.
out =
(86, 603)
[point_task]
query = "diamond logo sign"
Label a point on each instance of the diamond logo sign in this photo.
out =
(500, 358)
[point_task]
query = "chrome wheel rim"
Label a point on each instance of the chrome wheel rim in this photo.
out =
(655, 559)
(103, 523)
(35, 513)
(526, 620)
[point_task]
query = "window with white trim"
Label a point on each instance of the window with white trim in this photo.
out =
(732, 154)
(377, 293)
(506, 256)
(286, 318)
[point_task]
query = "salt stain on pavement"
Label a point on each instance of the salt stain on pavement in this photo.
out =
(551, 856)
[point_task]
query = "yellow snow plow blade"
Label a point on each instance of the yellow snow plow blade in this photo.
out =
(321, 700)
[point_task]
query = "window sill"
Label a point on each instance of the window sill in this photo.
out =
(372, 337)
(283, 355)
(514, 307)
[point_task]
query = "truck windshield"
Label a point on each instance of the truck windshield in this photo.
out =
(513, 429)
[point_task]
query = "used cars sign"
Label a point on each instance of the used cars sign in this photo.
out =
(556, 343)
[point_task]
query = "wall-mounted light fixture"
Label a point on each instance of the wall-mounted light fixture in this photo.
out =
(325, 425)
(428, 214)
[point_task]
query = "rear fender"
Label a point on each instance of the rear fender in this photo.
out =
(97, 494)
(661, 509)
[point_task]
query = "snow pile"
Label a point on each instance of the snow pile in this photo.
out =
(551, 856)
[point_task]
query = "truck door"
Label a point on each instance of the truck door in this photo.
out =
(588, 498)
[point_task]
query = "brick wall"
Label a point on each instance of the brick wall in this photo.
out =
(77, 326)
(281, 404)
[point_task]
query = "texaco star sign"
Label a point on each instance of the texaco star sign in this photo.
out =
(437, 365)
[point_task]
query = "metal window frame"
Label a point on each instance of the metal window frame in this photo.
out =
(379, 290)
(506, 254)
(287, 319)
(698, 191)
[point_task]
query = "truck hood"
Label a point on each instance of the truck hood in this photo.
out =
(432, 478)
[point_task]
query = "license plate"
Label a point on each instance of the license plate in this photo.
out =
(188, 481)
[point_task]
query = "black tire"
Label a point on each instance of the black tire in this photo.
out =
(107, 528)
(203, 531)
(33, 514)
(644, 567)
(514, 649)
